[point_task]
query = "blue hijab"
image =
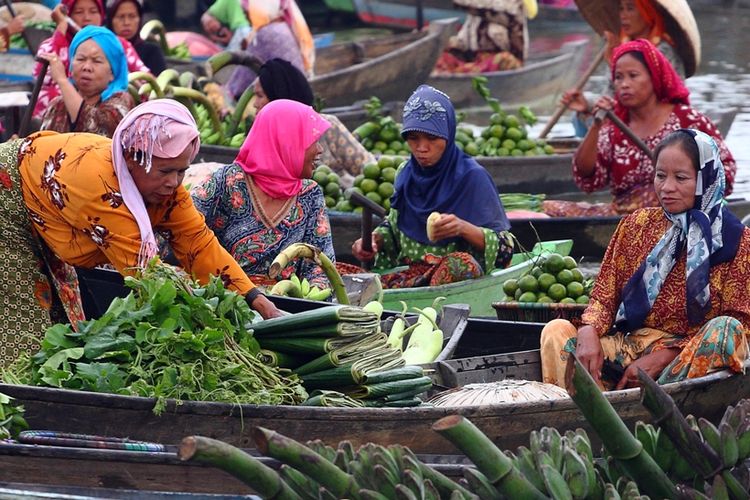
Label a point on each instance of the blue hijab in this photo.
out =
(112, 48)
(457, 184)
(711, 234)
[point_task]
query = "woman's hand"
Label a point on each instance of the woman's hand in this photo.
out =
(15, 25)
(653, 364)
(56, 69)
(60, 16)
(605, 103)
(363, 255)
(574, 100)
(265, 307)
(589, 352)
(449, 226)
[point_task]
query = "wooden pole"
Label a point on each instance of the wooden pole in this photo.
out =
(626, 130)
(23, 128)
(578, 86)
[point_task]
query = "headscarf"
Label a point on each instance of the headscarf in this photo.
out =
(273, 153)
(668, 86)
(113, 5)
(280, 79)
(112, 48)
(161, 128)
(457, 184)
(69, 4)
(712, 234)
(653, 18)
(266, 12)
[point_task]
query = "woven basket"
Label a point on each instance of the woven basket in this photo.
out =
(538, 313)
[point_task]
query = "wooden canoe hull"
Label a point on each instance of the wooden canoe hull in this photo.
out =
(507, 424)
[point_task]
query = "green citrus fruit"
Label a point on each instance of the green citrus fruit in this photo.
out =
(514, 134)
(577, 275)
(517, 293)
(386, 162)
(530, 152)
(512, 121)
(557, 292)
(546, 280)
(321, 178)
(396, 145)
(564, 277)
(380, 145)
(525, 145)
(536, 271)
(344, 206)
(510, 286)
(497, 131)
(528, 283)
(387, 204)
(554, 263)
(358, 190)
(368, 186)
(516, 152)
(375, 197)
(389, 151)
(568, 300)
(527, 297)
(333, 178)
(385, 190)
(472, 149)
(323, 168)
(333, 190)
(330, 202)
(371, 171)
(502, 152)
(403, 154)
(509, 144)
(570, 262)
(388, 174)
(575, 289)
(583, 299)
(544, 300)
(549, 149)
(358, 180)
(496, 118)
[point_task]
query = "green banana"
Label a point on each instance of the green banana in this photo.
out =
(630, 492)
(430, 491)
(719, 489)
(320, 294)
(582, 445)
(575, 473)
(305, 287)
(610, 492)
(155, 27)
(372, 495)
(710, 434)
(665, 454)
(348, 449)
(646, 435)
(166, 78)
(147, 77)
(543, 458)
(524, 462)
(300, 483)
(479, 484)
(412, 479)
(535, 444)
(384, 481)
(729, 451)
(557, 488)
(743, 445)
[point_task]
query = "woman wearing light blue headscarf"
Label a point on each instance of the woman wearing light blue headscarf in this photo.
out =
(94, 99)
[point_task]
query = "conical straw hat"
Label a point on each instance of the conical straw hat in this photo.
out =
(29, 11)
(678, 22)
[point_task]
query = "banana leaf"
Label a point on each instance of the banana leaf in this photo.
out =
(307, 345)
(309, 319)
(332, 399)
(402, 373)
(373, 391)
(353, 374)
(281, 359)
(341, 329)
(346, 354)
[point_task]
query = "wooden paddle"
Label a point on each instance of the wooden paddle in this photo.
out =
(578, 87)
(369, 208)
(625, 129)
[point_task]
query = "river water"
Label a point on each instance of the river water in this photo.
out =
(723, 79)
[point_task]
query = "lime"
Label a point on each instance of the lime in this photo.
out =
(389, 151)
(460, 145)
(564, 277)
(388, 174)
(330, 202)
(512, 121)
(518, 293)
(509, 144)
(516, 152)
(514, 133)
(570, 262)
(528, 283)
(374, 197)
(389, 134)
(575, 289)
(497, 131)
(546, 280)
(386, 162)
(583, 299)
(368, 186)
(497, 118)
(333, 178)
(385, 190)
(376, 152)
(544, 300)
(357, 210)
(387, 204)
(525, 145)
(527, 297)
(502, 152)
(380, 145)
(465, 130)
(321, 178)
(568, 300)
(557, 292)
(530, 152)
(371, 171)
(510, 286)
(472, 149)
(549, 149)
(404, 154)
(323, 168)
(344, 206)
(577, 275)
(554, 263)
(396, 145)
(536, 271)
(462, 138)
(333, 190)
(358, 180)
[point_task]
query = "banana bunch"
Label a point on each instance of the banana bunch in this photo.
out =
(179, 51)
(155, 31)
(301, 289)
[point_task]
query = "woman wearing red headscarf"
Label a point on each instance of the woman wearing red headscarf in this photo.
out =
(653, 101)
(83, 13)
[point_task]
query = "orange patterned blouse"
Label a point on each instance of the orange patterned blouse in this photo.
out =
(635, 237)
(72, 195)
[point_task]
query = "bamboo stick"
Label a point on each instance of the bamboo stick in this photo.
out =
(626, 130)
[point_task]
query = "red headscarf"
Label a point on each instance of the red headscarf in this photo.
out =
(274, 152)
(668, 86)
(654, 19)
(69, 4)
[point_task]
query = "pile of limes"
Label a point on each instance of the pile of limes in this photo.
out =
(506, 135)
(377, 179)
(553, 278)
(382, 137)
(329, 182)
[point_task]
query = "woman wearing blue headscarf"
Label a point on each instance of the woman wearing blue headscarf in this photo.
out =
(95, 98)
(470, 236)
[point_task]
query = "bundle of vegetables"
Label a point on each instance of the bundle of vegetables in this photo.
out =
(423, 339)
(11, 418)
(522, 201)
(380, 134)
(169, 338)
(154, 30)
(301, 289)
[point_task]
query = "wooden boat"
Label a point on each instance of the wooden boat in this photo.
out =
(541, 80)
(507, 424)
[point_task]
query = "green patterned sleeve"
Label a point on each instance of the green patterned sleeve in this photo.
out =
(388, 255)
(498, 249)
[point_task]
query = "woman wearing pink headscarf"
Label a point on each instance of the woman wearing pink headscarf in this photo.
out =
(265, 201)
(85, 200)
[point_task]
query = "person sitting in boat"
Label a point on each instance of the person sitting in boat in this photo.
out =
(124, 19)
(84, 200)
(669, 298)
(226, 23)
(95, 98)
(638, 19)
(494, 37)
(653, 101)
(278, 30)
(266, 200)
(15, 25)
(83, 13)
(280, 79)
(470, 238)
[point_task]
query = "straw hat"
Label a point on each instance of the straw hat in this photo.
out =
(678, 22)
(502, 391)
(30, 12)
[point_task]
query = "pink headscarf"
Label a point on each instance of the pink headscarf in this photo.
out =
(161, 128)
(274, 151)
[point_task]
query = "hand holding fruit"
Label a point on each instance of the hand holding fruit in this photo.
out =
(442, 226)
(363, 255)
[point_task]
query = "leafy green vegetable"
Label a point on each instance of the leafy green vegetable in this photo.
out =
(11, 418)
(169, 338)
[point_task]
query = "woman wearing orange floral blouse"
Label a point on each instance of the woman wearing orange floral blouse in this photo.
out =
(672, 294)
(80, 200)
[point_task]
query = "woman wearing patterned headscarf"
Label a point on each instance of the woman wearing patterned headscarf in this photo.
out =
(671, 297)
(95, 98)
(653, 101)
(84, 200)
(471, 236)
(266, 201)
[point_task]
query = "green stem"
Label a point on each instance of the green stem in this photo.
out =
(488, 458)
(303, 250)
(239, 110)
(148, 77)
(613, 432)
(236, 462)
(201, 98)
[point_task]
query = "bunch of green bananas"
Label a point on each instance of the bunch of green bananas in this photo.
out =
(208, 133)
(301, 289)
(179, 51)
